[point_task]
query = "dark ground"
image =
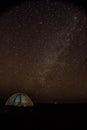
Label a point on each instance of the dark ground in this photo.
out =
(44, 116)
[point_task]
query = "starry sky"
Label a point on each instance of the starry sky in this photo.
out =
(43, 51)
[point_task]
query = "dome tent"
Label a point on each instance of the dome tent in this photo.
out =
(19, 99)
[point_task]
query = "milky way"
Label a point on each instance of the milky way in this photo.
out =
(43, 51)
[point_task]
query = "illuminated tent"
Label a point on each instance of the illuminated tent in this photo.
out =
(19, 99)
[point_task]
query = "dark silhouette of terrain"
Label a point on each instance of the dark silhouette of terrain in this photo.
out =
(44, 116)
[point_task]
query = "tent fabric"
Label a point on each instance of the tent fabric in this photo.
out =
(19, 99)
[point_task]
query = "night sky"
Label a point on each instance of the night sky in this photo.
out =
(43, 51)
